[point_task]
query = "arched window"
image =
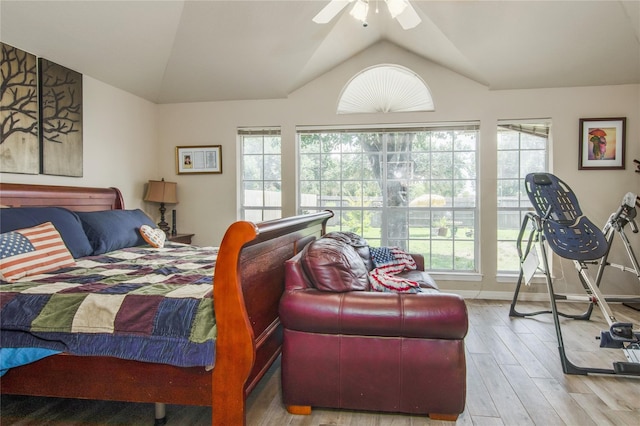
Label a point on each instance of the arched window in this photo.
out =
(385, 88)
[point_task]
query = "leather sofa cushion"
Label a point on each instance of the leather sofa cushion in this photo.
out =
(430, 314)
(360, 245)
(335, 266)
(421, 277)
(351, 238)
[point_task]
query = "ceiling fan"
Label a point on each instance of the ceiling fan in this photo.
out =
(399, 9)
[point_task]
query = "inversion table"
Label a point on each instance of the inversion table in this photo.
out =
(559, 222)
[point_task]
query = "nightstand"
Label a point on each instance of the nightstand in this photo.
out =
(180, 238)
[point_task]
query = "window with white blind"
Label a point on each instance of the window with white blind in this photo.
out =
(411, 187)
(523, 148)
(261, 197)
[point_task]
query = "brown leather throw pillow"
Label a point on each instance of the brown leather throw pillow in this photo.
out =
(333, 265)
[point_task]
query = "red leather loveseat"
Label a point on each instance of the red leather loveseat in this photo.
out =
(346, 346)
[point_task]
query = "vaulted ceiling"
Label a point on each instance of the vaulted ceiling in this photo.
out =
(187, 51)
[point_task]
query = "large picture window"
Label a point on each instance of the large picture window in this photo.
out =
(522, 149)
(261, 197)
(411, 187)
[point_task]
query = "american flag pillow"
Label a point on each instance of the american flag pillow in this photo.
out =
(388, 262)
(32, 251)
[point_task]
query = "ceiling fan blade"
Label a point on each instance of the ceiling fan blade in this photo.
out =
(330, 11)
(409, 17)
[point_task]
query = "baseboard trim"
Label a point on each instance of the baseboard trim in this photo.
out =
(524, 297)
(498, 295)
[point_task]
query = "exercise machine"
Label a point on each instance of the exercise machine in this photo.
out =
(559, 224)
(618, 221)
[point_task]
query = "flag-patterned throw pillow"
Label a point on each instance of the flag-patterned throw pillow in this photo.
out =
(388, 262)
(155, 237)
(32, 251)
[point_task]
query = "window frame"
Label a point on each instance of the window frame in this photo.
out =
(533, 127)
(266, 212)
(432, 211)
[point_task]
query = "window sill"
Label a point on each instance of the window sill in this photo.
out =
(455, 276)
(513, 279)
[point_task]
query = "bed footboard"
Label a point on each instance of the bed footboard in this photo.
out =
(249, 281)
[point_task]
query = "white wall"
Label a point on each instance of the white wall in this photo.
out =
(119, 144)
(208, 203)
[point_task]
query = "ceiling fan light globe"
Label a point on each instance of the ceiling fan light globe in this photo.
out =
(360, 10)
(396, 7)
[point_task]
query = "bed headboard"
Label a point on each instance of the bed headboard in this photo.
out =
(71, 197)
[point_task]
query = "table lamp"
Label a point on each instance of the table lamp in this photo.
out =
(159, 191)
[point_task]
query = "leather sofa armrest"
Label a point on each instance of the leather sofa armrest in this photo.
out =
(423, 315)
(295, 278)
(419, 259)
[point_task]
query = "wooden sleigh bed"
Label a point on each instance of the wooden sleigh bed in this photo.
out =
(249, 280)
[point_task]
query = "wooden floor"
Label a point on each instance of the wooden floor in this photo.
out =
(514, 377)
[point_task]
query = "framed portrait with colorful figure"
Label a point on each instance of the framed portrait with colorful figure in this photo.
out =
(602, 143)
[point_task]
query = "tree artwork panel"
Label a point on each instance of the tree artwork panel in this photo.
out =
(60, 119)
(19, 147)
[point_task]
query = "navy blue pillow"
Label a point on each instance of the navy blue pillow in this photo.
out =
(65, 221)
(114, 229)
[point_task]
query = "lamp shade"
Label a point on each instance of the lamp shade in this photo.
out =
(159, 191)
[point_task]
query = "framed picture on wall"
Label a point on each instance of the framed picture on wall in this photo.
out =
(19, 146)
(198, 159)
(602, 143)
(61, 122)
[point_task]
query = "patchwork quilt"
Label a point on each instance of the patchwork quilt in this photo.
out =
(139, 303)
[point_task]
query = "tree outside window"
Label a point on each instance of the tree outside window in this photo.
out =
(414, 188)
